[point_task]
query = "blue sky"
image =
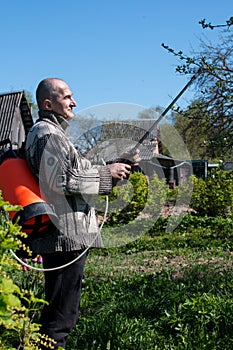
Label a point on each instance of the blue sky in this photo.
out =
(107, 51)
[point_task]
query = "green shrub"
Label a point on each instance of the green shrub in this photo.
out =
(136, 197)
(158, 193)
(213, 196)
(130, 197)
(17, 305)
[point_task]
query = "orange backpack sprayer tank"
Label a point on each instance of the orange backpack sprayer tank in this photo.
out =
(19, 187)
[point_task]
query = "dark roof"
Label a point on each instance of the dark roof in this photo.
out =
(131, 129)
(15, 117)
(121, 135)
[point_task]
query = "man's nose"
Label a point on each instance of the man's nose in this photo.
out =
(74, 104)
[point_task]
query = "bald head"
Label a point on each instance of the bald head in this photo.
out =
(47, 89)
(54, 94)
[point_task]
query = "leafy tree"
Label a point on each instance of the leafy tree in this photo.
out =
(150, 113)
(191, 125)
(32, 104)
(214, 105)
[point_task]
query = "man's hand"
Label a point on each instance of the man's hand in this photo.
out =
(119, 171)
(129, 159)
(136, 157)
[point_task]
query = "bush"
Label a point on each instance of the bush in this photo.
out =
(128, 200)
(213, 196)
(17, 305)
(135, 197)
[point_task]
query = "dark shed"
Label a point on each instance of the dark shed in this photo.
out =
(15, 118)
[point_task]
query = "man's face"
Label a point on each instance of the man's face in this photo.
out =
(63, 102)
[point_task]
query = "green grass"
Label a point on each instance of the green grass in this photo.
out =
(170, 291)
(165, 290)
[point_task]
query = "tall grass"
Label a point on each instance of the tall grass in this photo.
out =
(170, 291)
(161, 291)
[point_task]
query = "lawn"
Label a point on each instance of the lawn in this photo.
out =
(170, 291)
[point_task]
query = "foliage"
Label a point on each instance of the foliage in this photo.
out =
(228, 23)
(158, 192)
(150, 113)
(214, 92)
(213, 196)
(192, 231)
(32, 105)
(17, 306)
(131, 196)
(155, 296)
(192, 125)
(162, 291)
(138, 197)
(165, 290)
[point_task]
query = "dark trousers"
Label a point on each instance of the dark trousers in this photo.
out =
(63, 293)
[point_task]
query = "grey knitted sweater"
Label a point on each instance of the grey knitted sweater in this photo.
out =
(69, 182)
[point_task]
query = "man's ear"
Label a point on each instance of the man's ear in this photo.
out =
(47, 105)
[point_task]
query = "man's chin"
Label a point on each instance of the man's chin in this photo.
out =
(70, 116)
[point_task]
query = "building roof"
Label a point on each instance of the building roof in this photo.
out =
(114, 137)
(15, 118)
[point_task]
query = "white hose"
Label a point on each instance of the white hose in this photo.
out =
(71, 262)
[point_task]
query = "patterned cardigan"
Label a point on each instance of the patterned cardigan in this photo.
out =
(69, 182)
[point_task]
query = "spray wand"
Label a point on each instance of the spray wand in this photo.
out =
(147, 133)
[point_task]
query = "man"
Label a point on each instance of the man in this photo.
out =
(69, 182)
